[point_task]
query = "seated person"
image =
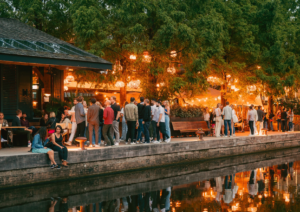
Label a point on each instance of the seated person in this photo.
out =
(4, 123)
(44, 120)
(51, 123)
(65, 120)
(56, 145)
(21, 131)
(25, 123)
(38, 147)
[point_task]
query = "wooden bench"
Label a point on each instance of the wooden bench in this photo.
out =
(190, 127)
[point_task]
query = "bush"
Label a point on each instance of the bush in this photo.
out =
(186, 111)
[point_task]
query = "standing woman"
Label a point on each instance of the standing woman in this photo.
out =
(207, 117)
(235, 119)
(57, 146)
(278, 119)
(124, 124)
(167, 117)
(86, 131)
(218, 120)
(291, 119)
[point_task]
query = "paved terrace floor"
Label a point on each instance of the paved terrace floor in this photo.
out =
(24, 150)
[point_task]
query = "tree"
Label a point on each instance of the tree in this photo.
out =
(117, 29)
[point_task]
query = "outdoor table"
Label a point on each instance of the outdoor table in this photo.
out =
(81, 140)
(8, 128)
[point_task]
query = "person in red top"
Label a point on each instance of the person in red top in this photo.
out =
(108, 116)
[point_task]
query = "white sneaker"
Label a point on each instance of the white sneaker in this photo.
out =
(168, 140)
(90, 145)
(233, 135)
(97, 145)
(3, 140)
(156, 142)
(225, 136)
(230, 136)
(29, 144)
(126, 143)
(132, 143)
(116, 144)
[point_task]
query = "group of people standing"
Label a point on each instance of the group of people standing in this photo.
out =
(224, 118)
(137, 119)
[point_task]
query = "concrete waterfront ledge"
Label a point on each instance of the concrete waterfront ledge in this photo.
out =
(98, 189)
(25, 169)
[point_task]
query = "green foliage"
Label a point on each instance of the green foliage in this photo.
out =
(186, 112)
(55, 106)
(291, 103)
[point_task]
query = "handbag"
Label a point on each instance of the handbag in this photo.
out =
(235, 119)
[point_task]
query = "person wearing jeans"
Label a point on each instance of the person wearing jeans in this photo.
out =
(147, 119)
(161, 127)
(227, 113)
(153, 121)
(108, 116)
(291, 119)
(124, 124)
(131, 116)
(167, 117)
(140, 112)
(115, 125)
(278, 120)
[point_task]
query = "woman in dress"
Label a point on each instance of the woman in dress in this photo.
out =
(57, 146)
(124, 124)
(167, 117)
(38, 146)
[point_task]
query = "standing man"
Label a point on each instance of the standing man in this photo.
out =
(251, 117)
(283, 120)
(115, 125)
(153, 121)
(80, 117)
(74, 124)
(256, 118)
(93, 120)
(161, 127)
(108, 116)
(260, 118)
(147, 120)
(141, 126)
(21, 131)
(227, 113)
(131, 116)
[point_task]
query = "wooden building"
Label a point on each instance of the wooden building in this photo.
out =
(32, 65)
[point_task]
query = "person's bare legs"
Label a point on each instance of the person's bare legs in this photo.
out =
(51, 157)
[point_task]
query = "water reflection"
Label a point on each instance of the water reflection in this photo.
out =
(259, 182)
(272, 188)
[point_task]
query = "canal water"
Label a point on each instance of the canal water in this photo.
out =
(260, 182)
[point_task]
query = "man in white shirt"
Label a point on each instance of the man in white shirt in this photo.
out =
(161, 127)
(153, 121)
(252, 119)
(227, 113)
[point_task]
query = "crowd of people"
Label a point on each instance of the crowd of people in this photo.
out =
(224, 119)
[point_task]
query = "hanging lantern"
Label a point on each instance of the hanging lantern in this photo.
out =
(173, 54)
(66, 88)
(119, 84)
(171, 70)
(70, 78)
(135, 84)
(146, 57)
(228, 76)
(132, 57)
(258, 67)
(251, 88)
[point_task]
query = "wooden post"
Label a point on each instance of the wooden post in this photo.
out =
(123, 95)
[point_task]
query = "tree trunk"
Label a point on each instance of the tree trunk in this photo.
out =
(223, 92)
(123, 93)
(270, 103)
